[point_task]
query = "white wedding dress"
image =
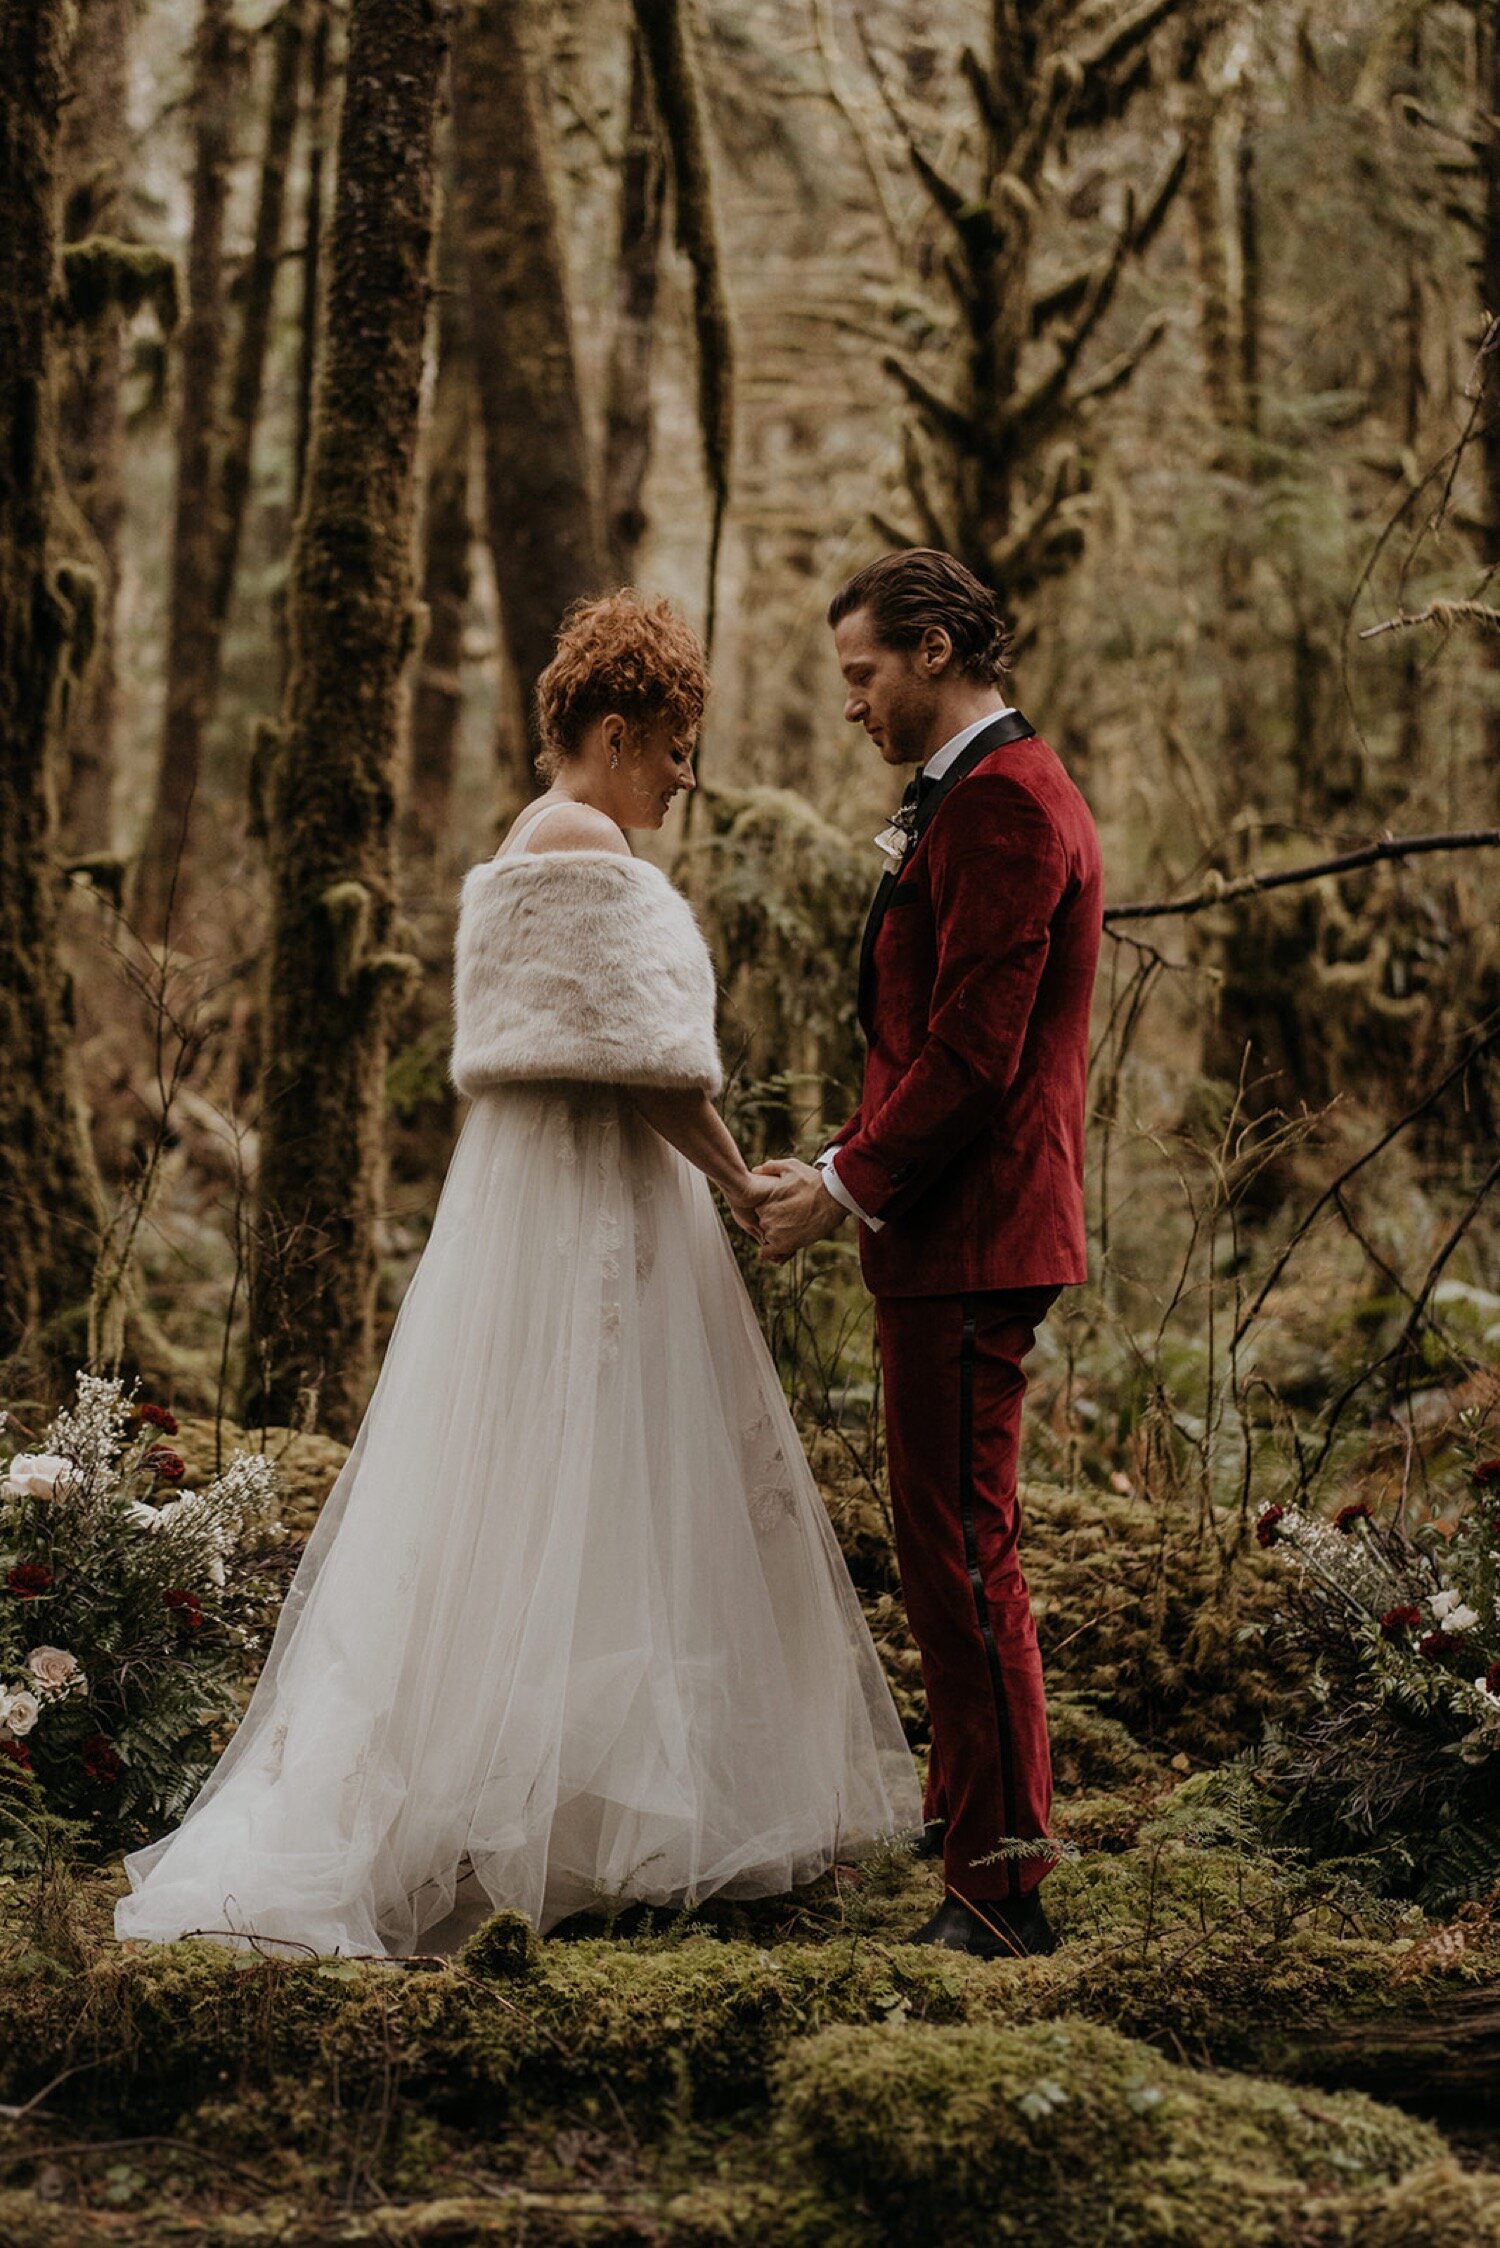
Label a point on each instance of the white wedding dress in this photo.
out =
(572, 1625)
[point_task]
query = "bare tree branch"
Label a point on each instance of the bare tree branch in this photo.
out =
(1217, 891)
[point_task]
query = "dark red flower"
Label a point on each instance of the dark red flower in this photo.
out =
(156, 1416)
(18, 1753)
(1266, 1532)
(1358, 1510)
(1492, 1679)
(1438, 1645)
(1487, 1471)
(188, 1606)
(101, 1759)
(28, 1578)
(1397, 1620)
(170, 1466)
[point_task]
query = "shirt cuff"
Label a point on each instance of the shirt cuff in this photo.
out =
(840, 1192)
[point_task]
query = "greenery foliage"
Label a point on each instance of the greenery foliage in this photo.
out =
(128, 1605)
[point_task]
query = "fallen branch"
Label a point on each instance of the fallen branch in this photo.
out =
(1217, 890)
(1446, 615)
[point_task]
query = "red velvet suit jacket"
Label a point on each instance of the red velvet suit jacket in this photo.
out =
(968, 1140)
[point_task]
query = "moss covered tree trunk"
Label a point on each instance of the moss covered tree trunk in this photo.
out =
(1487, 276)
(995, 459)
(258, 294)
(164, 860)
(627, 403)
(541, 515)
(48, 1207)
(319, 109)
(447, 531)
(328, 786)
(94, 156)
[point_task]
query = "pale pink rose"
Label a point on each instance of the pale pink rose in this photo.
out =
(56, 1671)
(21, 1711)
(38, 1475)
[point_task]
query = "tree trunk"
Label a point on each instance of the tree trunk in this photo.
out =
(94, 151)
(191, 634)
(318, 107)
(328, 787)
(49, 1213)
(1487, 136)
(259, 294)
(447, 533)
(627, 403)
(540, 511)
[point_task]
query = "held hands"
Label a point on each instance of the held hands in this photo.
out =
(796, 1209)
(747, 1200)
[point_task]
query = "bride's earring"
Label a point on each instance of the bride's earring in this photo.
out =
(614, 760)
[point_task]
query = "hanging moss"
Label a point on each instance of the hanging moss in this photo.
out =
(103, 278)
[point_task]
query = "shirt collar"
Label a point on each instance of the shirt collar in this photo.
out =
(938, 763)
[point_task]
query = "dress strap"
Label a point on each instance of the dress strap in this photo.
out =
(517, 842)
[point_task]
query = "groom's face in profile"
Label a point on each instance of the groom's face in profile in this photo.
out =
(891, 692)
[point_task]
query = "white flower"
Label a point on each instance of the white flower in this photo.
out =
(215, 1569)
(1482, 1686)
(38, 1475)
(1452, 1612)
(145, 1517)
(56, 1671)
(21, 1711)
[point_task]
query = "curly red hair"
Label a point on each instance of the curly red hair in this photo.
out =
(622, 654)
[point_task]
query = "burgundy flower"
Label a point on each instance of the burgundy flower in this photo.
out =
(156, 1416)
(170, 1466)
(28, 1578)
(1266, 1532)
(1359, 1510)
(188, 1606)
(1397, 1620)
(101, 1759)
(18, 1753)
(1487, 1471)
(1492, 1679)
(1438, 1645)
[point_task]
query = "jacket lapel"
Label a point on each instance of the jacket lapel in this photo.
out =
(1010, 727)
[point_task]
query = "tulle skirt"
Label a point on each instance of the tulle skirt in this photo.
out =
(572, 1625)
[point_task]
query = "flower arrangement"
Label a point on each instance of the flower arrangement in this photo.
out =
(128, 1604)
(1399, 1750)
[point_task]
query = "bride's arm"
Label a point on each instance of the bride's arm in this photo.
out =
(689, 1122)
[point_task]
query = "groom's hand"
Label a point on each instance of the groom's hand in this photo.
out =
(798, 1210)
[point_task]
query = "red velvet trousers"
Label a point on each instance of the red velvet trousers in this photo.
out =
(952, 1367)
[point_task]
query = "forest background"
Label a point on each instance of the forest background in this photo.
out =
(344, 346)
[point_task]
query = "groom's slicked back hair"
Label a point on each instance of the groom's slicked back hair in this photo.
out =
(906, 594)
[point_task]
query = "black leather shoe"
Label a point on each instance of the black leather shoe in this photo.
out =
(990, 1931)
(931, 1844)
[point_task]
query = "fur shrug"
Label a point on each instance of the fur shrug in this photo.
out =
(580, 964)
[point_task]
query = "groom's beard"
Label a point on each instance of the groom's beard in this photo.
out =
(908, 728)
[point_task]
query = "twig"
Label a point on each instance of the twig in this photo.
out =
(114, 2146)
(1444, 614)
(1217, 891)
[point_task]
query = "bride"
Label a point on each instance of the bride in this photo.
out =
(572, 1625)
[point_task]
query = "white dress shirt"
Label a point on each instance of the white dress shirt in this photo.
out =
(934, 769)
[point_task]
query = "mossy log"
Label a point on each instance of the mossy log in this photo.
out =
(326, 778)
(1445, 2047)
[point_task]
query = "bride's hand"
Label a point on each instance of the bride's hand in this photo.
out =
(745, 1198)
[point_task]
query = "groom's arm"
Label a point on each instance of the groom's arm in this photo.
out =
(998, 875)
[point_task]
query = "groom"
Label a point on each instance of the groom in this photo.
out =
(964, 1166)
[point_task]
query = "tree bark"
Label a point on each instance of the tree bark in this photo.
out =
(259, 294)
(318, 107)
(327, 785)
(94, 151)
(1487, 136)
(49, 1215)
(164, 864)
(540, 510)
(627, 402)
(447, 533)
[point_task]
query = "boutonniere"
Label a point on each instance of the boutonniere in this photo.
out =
(895, 838)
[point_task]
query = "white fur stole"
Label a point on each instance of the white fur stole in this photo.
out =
(580, 964)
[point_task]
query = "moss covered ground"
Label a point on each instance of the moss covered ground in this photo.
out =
(1230, 2045)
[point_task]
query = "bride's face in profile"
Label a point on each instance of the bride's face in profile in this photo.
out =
(654, 770)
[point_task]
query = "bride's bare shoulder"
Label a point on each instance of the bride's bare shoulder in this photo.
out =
(574, 827)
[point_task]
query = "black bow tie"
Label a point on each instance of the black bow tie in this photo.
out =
(916, 789)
